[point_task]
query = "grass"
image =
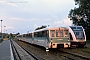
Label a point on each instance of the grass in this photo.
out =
(88, 41)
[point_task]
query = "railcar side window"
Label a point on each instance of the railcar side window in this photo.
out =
(43, 33)
(36, 34)
(52, 33)
(27, 35)
(24, 35)
(30, 34)
(40, 34)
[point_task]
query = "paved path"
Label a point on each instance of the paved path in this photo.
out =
(6, 51)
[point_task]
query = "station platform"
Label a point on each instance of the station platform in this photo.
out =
(6, 51)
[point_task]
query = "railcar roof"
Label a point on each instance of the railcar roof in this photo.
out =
(75, 26)
(49, 29)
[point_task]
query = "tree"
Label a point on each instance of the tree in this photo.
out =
(41, 27)
(81, 15)
(18, 33)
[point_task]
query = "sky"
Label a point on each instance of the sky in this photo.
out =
(26, 15)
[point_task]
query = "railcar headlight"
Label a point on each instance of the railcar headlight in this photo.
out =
(53, 44)
(66, 44)
(68, 40)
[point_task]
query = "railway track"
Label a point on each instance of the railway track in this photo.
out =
(74, 56)
(56, 54)
(68, 56)
(21, 53)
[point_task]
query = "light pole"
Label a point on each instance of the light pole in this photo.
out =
(1, 29)
(4, 29)
(6, 32)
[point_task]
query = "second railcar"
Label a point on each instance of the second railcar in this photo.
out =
(77, 36)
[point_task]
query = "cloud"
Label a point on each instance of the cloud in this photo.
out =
(26, 9)
(54, 16)
(35, 25)
(47, 19)
(33, 19)
(17, 19)
(19, 16)
(65, 22)
(48, 6)
(9, 27)
(9, 3)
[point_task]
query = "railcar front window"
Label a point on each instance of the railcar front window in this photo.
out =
(79, 27)
(78, 31)
(76, 28)
(52, 33)
(57, 33)
(79, 35)
(61, 33)
(66, 33)
(73, 28)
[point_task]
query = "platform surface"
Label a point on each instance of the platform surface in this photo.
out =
(6, 51)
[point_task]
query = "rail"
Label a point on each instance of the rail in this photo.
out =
(18, 55)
